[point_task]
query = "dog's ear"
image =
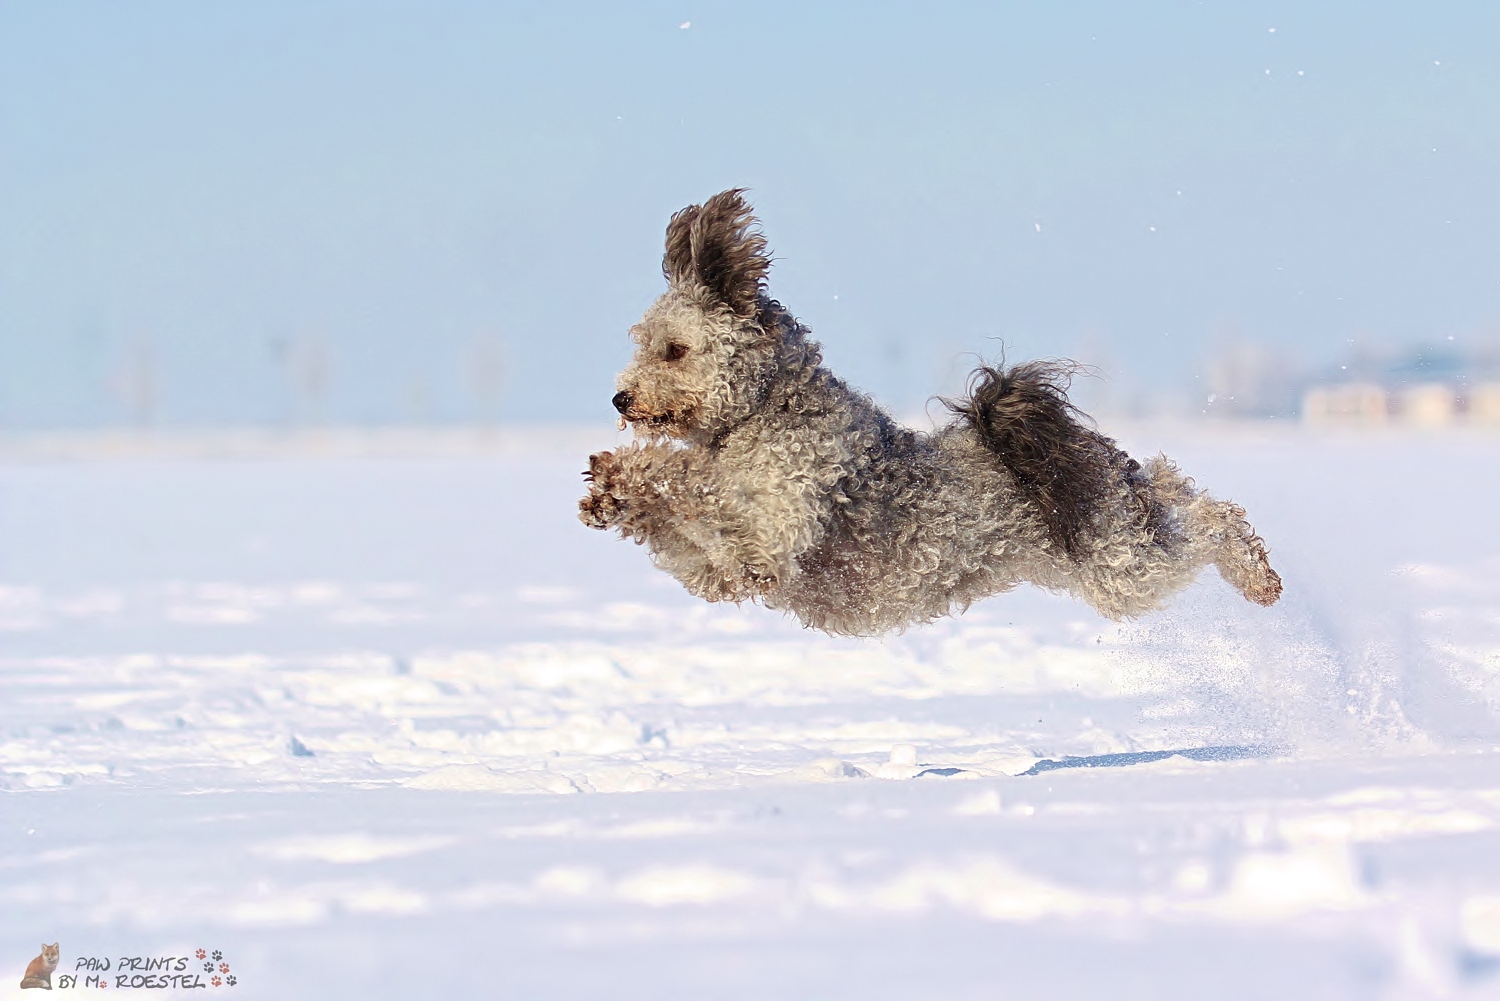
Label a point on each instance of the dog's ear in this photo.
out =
(677, 262)
(719, 246)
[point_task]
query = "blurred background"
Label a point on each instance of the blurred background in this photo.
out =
(329, 213)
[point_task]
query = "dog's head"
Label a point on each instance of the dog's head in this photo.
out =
(704, 358)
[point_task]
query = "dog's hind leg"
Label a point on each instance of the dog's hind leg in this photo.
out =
(1241, 555)
(1218, 533)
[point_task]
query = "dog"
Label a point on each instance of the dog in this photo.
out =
(758, 475)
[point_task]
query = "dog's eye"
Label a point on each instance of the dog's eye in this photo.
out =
(676, 352)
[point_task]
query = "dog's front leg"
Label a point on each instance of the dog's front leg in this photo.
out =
(633, 489)
(601, 507)
(669, 498)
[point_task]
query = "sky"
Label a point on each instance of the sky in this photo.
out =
(328, 211)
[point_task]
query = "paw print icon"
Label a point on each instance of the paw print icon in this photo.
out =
(208, 967)
(200, 954)
(230, 981)
(217, 955)
(216, 981)
(223, 967)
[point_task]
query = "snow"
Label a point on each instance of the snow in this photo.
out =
(378, 718)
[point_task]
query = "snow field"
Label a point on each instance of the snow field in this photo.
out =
(398, 726)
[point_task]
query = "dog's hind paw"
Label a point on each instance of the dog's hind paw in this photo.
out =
(1250, 573)
(1264, 589)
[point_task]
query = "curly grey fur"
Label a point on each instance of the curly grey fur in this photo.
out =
(758, 475)
(1023, 415)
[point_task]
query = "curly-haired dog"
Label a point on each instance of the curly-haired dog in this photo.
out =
(757, 474)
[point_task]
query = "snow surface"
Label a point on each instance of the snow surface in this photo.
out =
(388, 725)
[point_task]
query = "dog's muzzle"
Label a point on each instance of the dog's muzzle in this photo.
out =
(623, 401)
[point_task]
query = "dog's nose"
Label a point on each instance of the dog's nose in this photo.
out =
(622, 401)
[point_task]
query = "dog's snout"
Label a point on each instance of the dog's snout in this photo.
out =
(622, 401)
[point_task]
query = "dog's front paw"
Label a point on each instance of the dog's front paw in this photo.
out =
(599, 508)
(602, 468)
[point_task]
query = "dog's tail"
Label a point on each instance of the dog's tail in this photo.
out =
(1061, 464)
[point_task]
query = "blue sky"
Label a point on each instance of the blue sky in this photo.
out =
(213, 194)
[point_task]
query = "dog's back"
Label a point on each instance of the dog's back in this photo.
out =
(913, 526)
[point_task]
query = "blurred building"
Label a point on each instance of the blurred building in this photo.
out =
(1423, 387)
(1360, 403)
(1484, 404)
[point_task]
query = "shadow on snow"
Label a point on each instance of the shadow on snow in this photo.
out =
(1124, 759)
